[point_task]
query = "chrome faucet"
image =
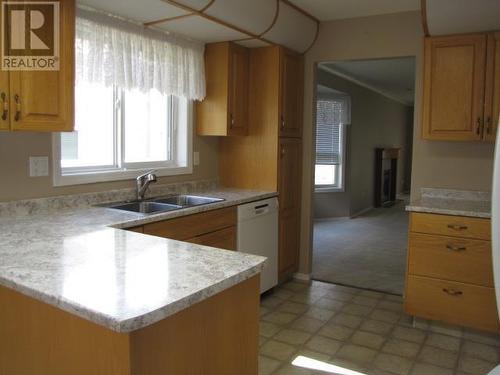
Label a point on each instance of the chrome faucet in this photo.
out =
(142, 183)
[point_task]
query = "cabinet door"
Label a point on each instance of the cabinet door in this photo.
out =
(4, 96)
(44, 100)
(453, 102)
(292, 79)
(289, 188)
(492, 97)
(238, 90)
(4, 100)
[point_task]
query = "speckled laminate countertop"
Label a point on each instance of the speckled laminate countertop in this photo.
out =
(453, 202)
(80, 261)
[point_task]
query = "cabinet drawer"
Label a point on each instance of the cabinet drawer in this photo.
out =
(222, 239)
(448, 225)
(191, 226)
(450, 258)
(452, 302)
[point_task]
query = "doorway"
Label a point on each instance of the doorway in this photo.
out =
(364, 133)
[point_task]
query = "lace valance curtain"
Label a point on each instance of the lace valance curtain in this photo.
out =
(113, 51)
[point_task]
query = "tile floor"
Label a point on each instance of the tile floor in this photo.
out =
(363, 331)
(368, 251)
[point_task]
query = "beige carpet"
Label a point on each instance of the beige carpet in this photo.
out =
(366, 252)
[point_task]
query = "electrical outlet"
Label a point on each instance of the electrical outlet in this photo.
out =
(196, 158)
(39, 166)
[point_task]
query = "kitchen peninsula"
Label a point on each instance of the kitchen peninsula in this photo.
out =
(95, 299)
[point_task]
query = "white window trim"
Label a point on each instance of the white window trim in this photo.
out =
(342, 169)
(106, 175)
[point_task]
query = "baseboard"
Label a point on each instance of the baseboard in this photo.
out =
(302, 276)
(363, 211)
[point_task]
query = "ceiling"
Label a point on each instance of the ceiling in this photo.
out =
(252, 23)
(394, 78)
(326, 10)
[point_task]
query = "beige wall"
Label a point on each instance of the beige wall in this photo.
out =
(441, 164)
(16, 148)
(376, 121)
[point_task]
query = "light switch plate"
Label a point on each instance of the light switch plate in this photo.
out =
(39, 166)
(196, 158)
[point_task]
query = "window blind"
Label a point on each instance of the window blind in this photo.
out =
(330, 115)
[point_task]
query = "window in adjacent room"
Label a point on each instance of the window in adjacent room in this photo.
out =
(332, 116)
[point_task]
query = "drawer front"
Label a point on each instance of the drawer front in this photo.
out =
(191, 226)
(450, 258)
(222, 239)
(447, 225)
(452, 302)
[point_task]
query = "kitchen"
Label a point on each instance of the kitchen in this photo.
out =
(244, 143)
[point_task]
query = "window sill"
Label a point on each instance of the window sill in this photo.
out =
(329, 189)
(116, 175)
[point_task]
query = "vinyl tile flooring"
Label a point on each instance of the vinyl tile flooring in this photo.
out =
(368, 251)
(364, 332)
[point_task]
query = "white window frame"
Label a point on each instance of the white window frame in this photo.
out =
(340, 187)
(183, 163)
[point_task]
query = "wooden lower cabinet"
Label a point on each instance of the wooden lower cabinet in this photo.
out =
(289, 189)
(450, 273)
(222, 239)
(217, 336)
(216, 228)
(289, 235)
(457, 303)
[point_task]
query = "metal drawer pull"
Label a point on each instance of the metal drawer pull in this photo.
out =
(231, 124)
(18, 107)
(455, 248)
(5, 105)
(282, 122)
(452, 292)
(457, 227)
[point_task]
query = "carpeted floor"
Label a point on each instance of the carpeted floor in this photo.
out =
(365, 252)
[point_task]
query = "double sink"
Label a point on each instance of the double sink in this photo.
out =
(165, 204)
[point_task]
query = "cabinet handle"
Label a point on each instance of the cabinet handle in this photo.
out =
(282, 122)
(478, 126)
(455, 248)
(282, 152)
(488, 125)
(231, 122)
(452, 292)
(457, 226)
(5, 105)
(18, 107)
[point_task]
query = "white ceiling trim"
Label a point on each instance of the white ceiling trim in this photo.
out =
(363, 84)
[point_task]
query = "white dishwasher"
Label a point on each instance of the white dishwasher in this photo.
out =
(258, 234)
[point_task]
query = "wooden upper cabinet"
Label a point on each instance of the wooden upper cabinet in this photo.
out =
(454, 72)
(224, 111)
(4, 100)
(37, 100)
(43, 100)
(292, 81)
(492, 97)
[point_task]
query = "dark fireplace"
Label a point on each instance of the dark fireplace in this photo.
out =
(386, 170)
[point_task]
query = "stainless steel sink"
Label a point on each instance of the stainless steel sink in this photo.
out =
(145, 207)
(158, 205)
(186, 200)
